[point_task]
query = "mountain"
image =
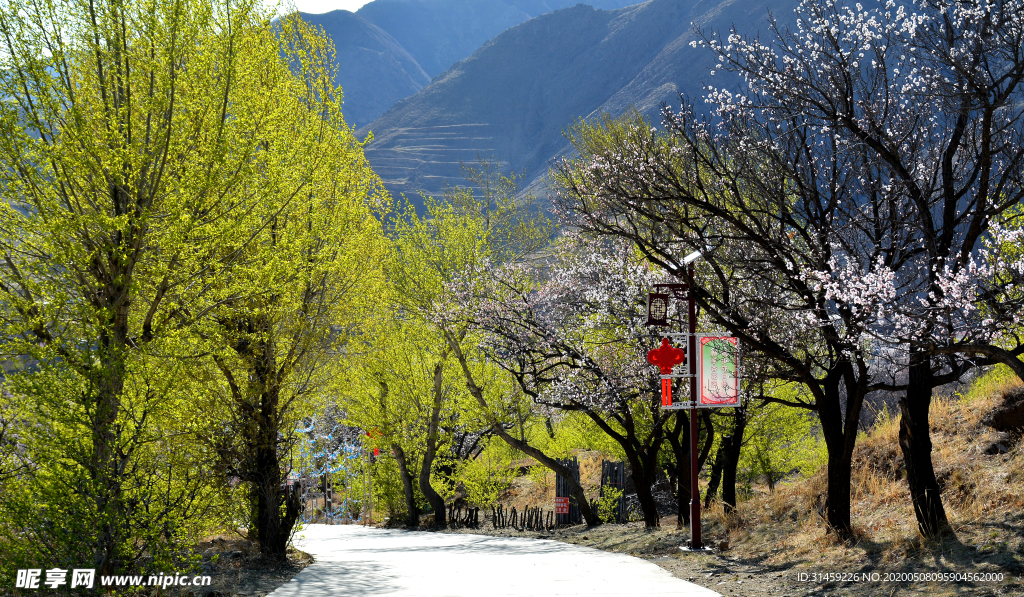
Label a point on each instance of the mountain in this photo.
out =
(374, 70)
(390, 49)
(513, 98)
(439, 33)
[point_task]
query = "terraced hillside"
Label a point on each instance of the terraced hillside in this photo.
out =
(438, 147)
(515, 96)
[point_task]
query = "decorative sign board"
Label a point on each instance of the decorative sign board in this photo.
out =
(561, 505)
(719, 371)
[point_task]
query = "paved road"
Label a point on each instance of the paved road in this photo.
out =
(355, 561)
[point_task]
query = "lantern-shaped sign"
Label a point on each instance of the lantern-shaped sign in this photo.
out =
(657, 309)
(665, 357)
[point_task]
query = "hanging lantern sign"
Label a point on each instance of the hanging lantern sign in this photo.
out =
(657, 309)
(665, 357)
(719, 371)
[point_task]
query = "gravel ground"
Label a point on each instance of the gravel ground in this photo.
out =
(237, 570)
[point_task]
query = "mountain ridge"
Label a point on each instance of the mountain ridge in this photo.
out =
(514, 97)
(374, 70)
(440, 33)
(390, 49)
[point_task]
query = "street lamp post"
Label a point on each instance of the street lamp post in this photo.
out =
(718, 378)
(657, 311)
(691, 305)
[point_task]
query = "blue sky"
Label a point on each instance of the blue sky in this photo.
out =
(318, 6)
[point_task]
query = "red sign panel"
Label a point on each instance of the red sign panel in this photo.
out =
(561, 505)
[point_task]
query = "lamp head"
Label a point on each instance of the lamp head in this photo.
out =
(691, 257)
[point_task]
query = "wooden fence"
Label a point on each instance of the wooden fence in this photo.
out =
(471, 519)
(534, 518)
(528, 519)
(563, 489)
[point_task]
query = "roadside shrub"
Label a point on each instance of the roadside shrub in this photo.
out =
(608, 504)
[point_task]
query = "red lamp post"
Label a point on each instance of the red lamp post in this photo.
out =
(695, 539)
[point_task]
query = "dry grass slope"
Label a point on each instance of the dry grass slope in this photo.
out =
(983, 496)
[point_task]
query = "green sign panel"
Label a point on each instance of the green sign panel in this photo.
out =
(719, 371)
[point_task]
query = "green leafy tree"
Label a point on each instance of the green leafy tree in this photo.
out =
(128, 130)
(780, 442)
(496, 225)
(305, 264)
(427, 252)
(489, 474)
(402, 393)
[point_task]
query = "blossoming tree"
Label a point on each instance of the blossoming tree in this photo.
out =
(574, 338)
(855, 200)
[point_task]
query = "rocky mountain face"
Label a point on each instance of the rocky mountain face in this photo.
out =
(439, 33)
(390, 49)
(374, 70)
(514, 97)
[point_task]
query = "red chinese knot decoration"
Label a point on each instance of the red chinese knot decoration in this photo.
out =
(665, 357)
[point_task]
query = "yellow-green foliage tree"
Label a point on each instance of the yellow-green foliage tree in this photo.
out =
(507, 229)
(489, 473)
(779, 442)
(426, 253)
(145, 149)
(410, 387)
(403, 394)
(305, 265)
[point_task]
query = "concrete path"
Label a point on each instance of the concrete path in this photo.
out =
(355, 561)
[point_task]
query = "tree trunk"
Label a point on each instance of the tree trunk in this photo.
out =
(412, 512)
(435, 500)
(261, 440)
(103, 465)
(732, 459)
(839, 441)
(642, 479)
(681, 451)
(916, 444)
(588, 513)
(716, 472)
(272, 527)
(591, 517)
(709, 437)
(837, 502)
